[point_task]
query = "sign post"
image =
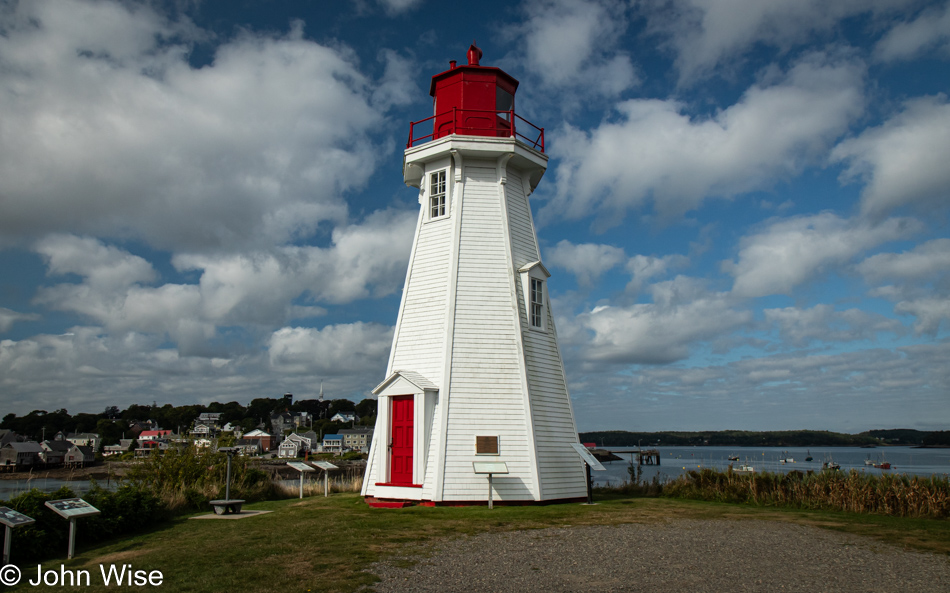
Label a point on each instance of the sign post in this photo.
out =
(11, 519)
(72, 509)
(302, 468)
(326, 466)
(590, 462)
(490, 468)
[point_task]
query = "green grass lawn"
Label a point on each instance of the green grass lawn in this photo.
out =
(326, 544)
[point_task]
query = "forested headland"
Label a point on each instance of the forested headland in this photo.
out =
(785, 438)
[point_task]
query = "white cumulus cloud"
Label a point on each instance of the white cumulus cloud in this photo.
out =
(683, 314)
(790, 252)
(929, 32)
(587, 261)
(707, 35)
(922, 263)
(109, 131)
(902, 161)
(333, 350)
(8, 317)
(657, 152)
(572, 44)
(252, 289)
(823, 323)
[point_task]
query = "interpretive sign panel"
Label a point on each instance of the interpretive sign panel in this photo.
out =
(588, 457)
(300, 466)
(490, 467)
(11, 518)
(325, 465)
(72, 508)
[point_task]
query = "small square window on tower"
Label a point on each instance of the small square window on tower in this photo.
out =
(486, 445)
(437, 194)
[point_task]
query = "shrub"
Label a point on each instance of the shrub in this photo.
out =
(49, 534)
(852, 492)
(187, 479)
(129, 509)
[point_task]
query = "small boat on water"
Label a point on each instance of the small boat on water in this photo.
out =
(744, 469)
(733, 458)
(786, 459)
(884, 464)
(868, 461)
(830, 465)
(809, 457)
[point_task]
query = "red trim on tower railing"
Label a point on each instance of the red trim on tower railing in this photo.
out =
(505, 125)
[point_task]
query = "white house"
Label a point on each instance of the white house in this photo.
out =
(85, 439)
(296, 445)
(332, 443)
(475, 372)
(344, 417)
(202, 429)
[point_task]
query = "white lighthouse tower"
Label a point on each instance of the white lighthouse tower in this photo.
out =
(475, 373)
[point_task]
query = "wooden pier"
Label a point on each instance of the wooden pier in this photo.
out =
(647, 456)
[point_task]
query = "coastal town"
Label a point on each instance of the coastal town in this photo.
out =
(288, 432)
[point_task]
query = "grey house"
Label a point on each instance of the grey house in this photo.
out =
(20, 455)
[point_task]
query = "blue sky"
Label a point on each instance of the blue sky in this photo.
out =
(745, 211)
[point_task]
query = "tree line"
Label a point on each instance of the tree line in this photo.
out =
(786, 438)
(114, 423)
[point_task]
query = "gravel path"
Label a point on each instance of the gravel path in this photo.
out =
(679, 555)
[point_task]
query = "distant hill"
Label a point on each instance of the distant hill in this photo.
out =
(785, 438)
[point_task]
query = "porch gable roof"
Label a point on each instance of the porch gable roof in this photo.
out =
(413, 377)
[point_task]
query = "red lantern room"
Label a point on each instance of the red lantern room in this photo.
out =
(475, 100)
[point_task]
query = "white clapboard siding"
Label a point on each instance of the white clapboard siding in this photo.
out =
(432, 459)
(420, 340)
(371, 476)
(486, 396)
(551, 414)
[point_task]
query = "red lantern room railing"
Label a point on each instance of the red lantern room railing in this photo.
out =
(474, 100)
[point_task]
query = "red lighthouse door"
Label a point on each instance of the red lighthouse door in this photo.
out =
(400, 448)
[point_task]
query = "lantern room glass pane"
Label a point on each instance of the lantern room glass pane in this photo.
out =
(504, 101)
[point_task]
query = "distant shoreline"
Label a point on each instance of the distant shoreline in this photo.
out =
(786, 438)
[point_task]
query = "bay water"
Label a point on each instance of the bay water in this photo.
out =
(674, 461)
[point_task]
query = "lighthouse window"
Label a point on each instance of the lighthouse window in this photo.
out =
(437, 194)
(537, 301)
(504, 101)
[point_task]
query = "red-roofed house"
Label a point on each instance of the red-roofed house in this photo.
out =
(153, 435)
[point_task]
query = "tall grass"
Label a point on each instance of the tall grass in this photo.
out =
(187, 479)
(345, 483)
(889, 494)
